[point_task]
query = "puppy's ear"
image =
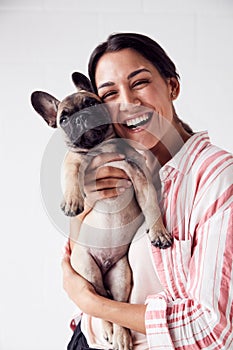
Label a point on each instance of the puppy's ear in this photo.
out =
(46, 105)
(82, 82)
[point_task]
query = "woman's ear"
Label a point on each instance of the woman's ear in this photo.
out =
(174, 87)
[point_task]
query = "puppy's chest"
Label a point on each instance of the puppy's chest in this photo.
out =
(111, 225)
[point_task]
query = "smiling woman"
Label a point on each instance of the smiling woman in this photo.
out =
(136, 83)
(181, 296)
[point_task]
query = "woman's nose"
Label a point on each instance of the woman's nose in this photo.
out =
(127, 99)
(126, 106)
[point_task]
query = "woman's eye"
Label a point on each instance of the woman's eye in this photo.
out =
(108, 95)
(140, 82)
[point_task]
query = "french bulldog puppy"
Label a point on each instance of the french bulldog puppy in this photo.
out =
(99, 249)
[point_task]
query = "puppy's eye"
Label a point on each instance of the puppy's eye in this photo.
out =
(63, 120)
(89, 102)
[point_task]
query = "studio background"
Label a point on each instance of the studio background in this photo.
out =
(42, 43)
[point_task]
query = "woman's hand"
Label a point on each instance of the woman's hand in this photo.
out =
(104, 181)
(78, 288)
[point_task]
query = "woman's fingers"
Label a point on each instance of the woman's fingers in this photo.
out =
(104, 172)
(67, 249)
(110, 171)
(103, 178)
(95, 196)
(108, 183)
(68, 271)
(104, 188)
(70, 277)
(75, 285)
(104, 181)
(104, 158)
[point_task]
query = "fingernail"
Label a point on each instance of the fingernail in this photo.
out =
(121, 155)
(121, 189)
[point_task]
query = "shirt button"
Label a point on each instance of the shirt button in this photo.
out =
(165, 173)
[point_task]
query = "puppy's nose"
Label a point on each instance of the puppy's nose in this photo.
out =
(81, 119)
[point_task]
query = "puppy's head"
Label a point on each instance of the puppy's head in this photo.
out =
(82, 116)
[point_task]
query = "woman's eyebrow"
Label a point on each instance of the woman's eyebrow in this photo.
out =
(131, 75)
(108, 83)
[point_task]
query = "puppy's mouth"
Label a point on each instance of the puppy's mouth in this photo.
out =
(92, 137)
(138, 121)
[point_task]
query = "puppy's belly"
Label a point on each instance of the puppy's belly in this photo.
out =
(107, 257)
(112, 222)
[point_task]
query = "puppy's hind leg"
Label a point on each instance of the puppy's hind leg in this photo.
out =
(119, 282)
(84, 264)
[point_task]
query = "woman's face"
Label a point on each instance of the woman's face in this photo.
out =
(140, 99)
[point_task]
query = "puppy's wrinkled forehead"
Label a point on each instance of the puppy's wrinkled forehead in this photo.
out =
(77, 101)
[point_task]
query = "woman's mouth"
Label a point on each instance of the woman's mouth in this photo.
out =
(138, 121)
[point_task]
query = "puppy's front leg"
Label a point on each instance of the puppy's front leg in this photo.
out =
(147, 199)
(73, 201)
(119, 281)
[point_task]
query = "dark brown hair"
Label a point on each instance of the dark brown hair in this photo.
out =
(144, 45)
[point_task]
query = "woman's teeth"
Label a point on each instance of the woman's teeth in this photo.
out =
(138, 121)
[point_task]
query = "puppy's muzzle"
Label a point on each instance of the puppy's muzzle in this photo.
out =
(88, 127)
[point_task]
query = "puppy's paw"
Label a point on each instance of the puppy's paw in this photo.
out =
(159, 236)
(107, 331)
(72, 204)
(121, 338)
(70, 209)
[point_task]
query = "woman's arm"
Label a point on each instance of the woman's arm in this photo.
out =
(84, 296)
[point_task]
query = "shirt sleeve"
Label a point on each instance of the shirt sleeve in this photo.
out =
(203, 318)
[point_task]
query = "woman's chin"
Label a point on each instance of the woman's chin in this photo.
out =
(142, 142)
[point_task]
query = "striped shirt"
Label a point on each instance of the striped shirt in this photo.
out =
(195, 309)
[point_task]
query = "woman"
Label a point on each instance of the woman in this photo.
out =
(189, 305)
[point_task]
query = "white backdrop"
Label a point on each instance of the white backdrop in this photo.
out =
(41, 43)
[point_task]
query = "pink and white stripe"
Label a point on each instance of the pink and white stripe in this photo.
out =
(195, 310)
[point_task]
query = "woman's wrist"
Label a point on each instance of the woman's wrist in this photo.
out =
(127, 315)
(87, 301)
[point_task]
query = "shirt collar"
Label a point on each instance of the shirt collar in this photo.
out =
(183, 160)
